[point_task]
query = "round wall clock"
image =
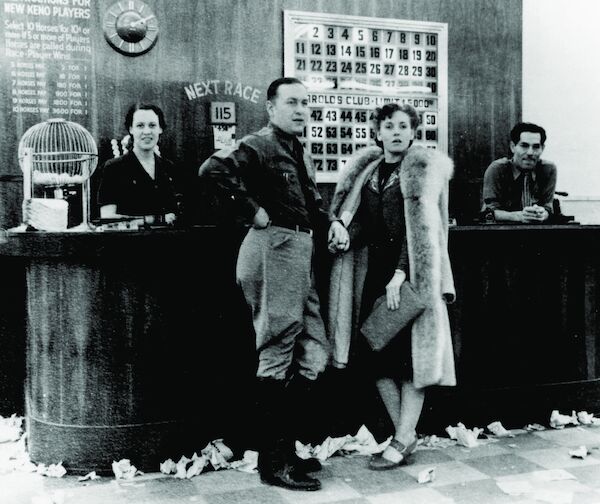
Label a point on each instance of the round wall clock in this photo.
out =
(130, 27)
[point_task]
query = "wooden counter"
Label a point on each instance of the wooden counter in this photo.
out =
(525, 324)
(122, 362)
(129, 337)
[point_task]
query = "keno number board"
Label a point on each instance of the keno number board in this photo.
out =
(352, 64)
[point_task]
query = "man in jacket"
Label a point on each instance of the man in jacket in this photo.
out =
(272, 183)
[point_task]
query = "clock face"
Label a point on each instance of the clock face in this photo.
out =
(130, 27)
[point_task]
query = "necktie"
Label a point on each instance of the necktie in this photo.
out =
(526, 198)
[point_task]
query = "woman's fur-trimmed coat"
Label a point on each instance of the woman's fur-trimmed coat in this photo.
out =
(424, 176)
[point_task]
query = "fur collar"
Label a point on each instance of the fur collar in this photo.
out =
(356, 165)
(422, 171)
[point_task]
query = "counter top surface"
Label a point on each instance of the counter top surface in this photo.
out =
(95, 243)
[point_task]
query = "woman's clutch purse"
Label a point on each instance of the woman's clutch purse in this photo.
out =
(383, 324)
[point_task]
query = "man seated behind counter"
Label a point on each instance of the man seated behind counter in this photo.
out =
(521, 189)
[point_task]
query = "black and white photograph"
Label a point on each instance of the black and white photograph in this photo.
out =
(299, 252)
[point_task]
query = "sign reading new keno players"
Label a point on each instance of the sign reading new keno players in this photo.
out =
(352, 64)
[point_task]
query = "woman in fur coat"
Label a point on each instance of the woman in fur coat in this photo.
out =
(393, 202)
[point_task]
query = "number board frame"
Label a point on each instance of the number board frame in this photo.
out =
(352, 64)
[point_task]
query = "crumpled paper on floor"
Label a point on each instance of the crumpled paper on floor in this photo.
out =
(363, 443)
(323, 451)
(559, 421)
(586, 418)
(534, 427)
(464, 436)
(52, 470)
(434, 443)
(198, 463)
(498, 430)
(580, 452)
(218, 454)
(123, 469)
(247, 464)
(426, 475)
(186, 467)
(10, 428)
(168, 466)
(215, 453)
(91, 476)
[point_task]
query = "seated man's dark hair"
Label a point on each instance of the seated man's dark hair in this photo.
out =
(515, 133)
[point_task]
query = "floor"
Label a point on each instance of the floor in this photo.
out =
(531, 467)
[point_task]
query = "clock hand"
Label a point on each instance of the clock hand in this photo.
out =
(133, 24)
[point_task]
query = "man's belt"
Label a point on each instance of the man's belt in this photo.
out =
(298, 229)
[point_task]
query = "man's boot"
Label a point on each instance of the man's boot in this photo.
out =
(301, 402)
(274, 463)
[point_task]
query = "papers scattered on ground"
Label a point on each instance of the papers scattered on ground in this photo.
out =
(559, 421)
(216, 455)
(123, 469)
(10, 428)
(465, 437)
(498, 430)
(434, 443)
(534, 427)
(248, 463)
(91, 476)
(586, 418)
(363, 443)
(580, 452)
(52, 470)
(188, 467)
(426, 475)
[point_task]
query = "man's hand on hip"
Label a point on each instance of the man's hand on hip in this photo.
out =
(261, 219)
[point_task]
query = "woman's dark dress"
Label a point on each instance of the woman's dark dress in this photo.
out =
(125, 183)
(381, 217)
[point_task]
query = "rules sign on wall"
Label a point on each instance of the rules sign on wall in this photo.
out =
(352, 64)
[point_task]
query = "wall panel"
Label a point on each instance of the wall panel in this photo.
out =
(242, 42)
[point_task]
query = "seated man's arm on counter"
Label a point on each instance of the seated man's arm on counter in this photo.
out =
(546, 182)
(228, 169)
(496, 190)
(494, 195)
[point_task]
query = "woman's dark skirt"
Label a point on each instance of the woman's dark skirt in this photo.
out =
(395, 359)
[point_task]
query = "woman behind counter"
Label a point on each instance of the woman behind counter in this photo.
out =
(394, 203)
(140, 182)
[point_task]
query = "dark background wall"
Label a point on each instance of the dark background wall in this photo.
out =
(242, 41)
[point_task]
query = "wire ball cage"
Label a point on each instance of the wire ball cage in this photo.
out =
(58, 153)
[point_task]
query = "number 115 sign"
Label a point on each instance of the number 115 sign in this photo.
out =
(352, 64)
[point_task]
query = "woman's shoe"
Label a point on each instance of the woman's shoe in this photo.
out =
(401, 454)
